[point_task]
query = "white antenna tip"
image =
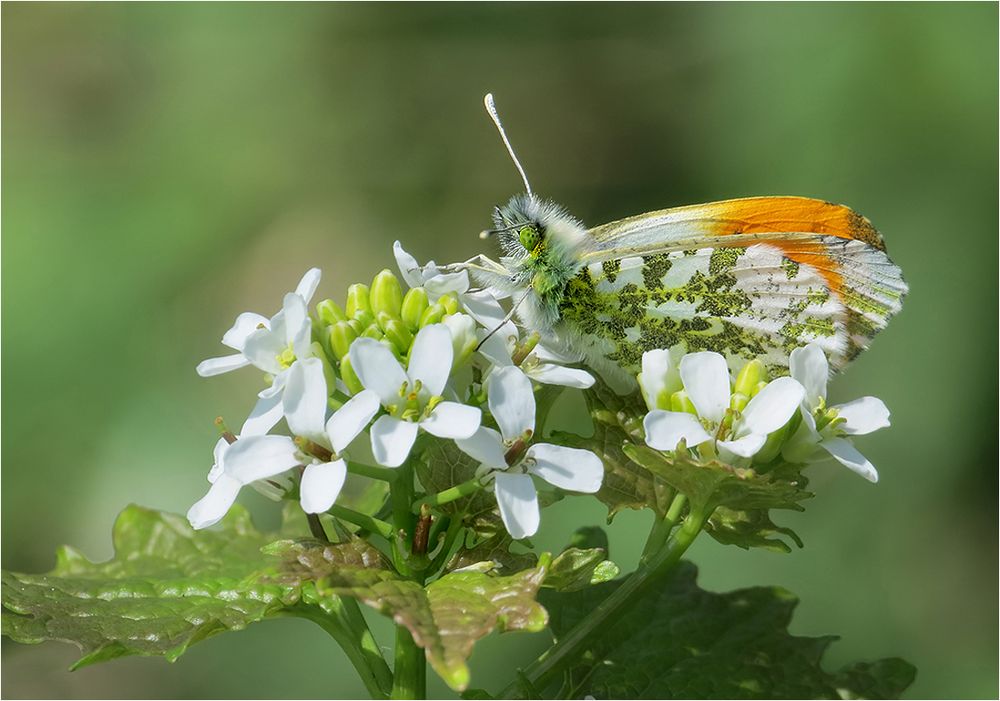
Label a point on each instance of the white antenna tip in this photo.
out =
(485, 234)
(491, 109)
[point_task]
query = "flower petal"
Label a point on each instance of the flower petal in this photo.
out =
(809, 366)
(665, 429)
(431, 357)
(266, 413)
(277, 385)
(659, 378)
(567, 468)
(863, 416)
(351, 419)
(409, 268)
(772, 407)
(298, 327)
(484, 308)
(452, 420)
(848, 456)
(262, 348)
(305, 399)
(219, 455)
(518, 502)
(392, 440)
(486, 446)
(745, 447)
(496, 348)
(443, 283)
(558, 375)
(217, 366)
(512, 401)
(245, 324)
(308, 284)
(547, 354)
(257, 457)
(213, 506)
(706, 380)
(378, 369)
(321, 485)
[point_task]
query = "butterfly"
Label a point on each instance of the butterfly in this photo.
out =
(748, 278)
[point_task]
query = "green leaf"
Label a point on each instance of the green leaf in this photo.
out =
(166, 587)
(576, 568)
(749, 529)
(445, 618)
(683, 642)
(440, 465)
(493, 547)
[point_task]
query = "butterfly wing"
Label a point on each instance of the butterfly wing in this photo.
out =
(747, 278)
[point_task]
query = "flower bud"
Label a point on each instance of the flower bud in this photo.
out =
(771, 447)
(750, 375)
(373, 331)
(392, 347)
(738, 401)
(350, 377)
(329, 312)
(358, 327)
(680, 401)
(357, 300)
(414, 305)
(386, 295)
(399, 335)
(432, 315)
(342, 335)
(449, 302)
(463, 336)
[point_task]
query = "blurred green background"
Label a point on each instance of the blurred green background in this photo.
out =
(167, 166)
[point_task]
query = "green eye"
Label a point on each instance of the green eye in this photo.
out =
(530, 238)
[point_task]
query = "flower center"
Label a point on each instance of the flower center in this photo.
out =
(414, 405)
(286, 357)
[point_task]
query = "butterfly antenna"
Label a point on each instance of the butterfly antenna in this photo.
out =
(491, 109)
(507, 318)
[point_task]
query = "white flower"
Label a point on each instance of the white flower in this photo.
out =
(660, 376)
(705, 376)
(482, 305)
(512, 403)
(542, 364)
(411, 397)
(261, 457)
(809, 366)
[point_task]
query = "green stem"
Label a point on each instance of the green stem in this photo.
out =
(364, 520)
(410, 673)
(385, 474)
(578, 639)
(661, 529)
(449, 495)
(359, 645)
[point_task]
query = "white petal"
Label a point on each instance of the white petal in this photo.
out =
(706, 380)
(863, 416)
(558, 375)
(217, 366)
(659, 378)
(665, 429)
(518, 502)
(431, 357)
(567, 468)
(408, 266)
(378, 369)
(246, 323)
(321, 484)
(452, 420)
(444, 283)
(496, 348)
(484, 308)
(848, 456)
(745, 447)
(546, 354)
(277, 385)
(392, 440)
(213, 506)
(308, 284)
(219, 454)
(772, 407)
(296, 318)
(512, 401)
(486, 446)
(351, 419)
(262, 348)
(266, 413)
(305, 399)
(809, 366)
(257, 457)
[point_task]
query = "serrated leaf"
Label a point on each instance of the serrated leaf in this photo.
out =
(445, 618)
(749, 529)
(577, 568)
(496, 549)
(166, 587)
(683, 642)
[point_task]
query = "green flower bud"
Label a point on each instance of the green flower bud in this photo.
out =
(680, 401)
(386, 295)
(349, 377)
(414, 305)
(342, 335)
(373, 331)
(449, 302)
(760, 385)
(329, 374)
(749, 376)
(365, 318)
(738, 401)
(400, 336)
(392, 347)
(772, 446)
(357, 300)
(463, 336)
(358, 327)
(329, 312)
(432, 315)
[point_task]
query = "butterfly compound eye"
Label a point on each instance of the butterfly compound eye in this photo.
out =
(530, 238)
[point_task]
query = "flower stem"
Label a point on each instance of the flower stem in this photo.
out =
(540, 672)
(449, 495)
(661, 529)
(385, 474)
(410, 674)
(364, 520)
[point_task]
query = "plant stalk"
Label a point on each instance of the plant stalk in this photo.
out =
(410, 674)
(449, 495)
